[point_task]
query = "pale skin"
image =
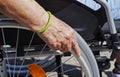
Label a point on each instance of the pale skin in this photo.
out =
(59, 36)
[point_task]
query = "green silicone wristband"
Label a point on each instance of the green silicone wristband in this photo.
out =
(47, 25)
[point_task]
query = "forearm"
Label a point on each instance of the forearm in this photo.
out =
(26, 12)
(59, 36)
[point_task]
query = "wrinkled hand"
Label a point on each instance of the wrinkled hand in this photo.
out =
(60, 36)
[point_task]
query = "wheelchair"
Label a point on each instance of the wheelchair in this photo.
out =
(21, 47)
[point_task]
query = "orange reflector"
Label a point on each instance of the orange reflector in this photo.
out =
(36, 71)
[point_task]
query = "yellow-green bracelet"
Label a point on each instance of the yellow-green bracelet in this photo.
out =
(47, 25)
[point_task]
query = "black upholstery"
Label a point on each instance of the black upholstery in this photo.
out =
(81, 20)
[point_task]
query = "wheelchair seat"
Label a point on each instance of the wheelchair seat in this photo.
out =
(106, 30)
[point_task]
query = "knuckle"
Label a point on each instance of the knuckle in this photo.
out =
(55, 45)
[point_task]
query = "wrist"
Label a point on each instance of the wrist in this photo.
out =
(47, 24)
(40, 23)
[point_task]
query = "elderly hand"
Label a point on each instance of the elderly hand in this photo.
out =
(60, 36)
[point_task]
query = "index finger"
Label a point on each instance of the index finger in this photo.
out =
(76, 48)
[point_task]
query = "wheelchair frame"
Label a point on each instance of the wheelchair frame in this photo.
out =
(113, 39)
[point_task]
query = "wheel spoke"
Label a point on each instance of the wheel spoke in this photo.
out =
(6, 54)
(26, 53)
(40, 53)
(66, 71)
(61, 65)
(17, 40)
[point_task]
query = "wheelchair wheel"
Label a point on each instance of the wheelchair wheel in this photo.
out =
(21, 47)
